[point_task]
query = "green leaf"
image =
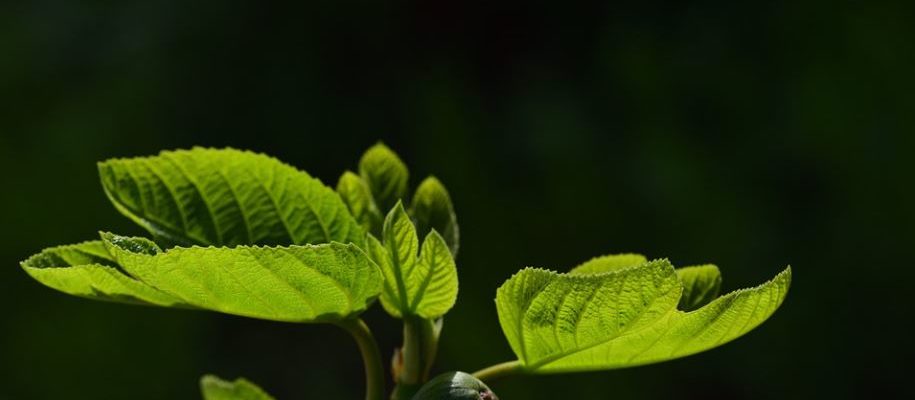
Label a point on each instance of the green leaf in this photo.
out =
(575, 322)
(701, 285)
(418, 281)
(214, 388)
(310, 283)
(386, 175)
(87, 270)
(358, 198)
(226, 198)
(609, 263)
(432, 209)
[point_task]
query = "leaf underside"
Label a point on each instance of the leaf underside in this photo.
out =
(214, 388)
(625, 317)
(87, 270)
(310, 283)
(226, 197)
(419, 281)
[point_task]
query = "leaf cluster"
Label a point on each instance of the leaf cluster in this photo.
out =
(242, 233)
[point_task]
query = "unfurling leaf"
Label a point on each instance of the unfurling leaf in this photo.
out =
(701, 285)
(358, 198)
(385, 174)
(432, 209)
(87, 270)
(214, 388)
(310, 283)
(418, 281)
(625, 317)
(226, 198)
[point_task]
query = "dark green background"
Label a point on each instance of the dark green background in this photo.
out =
(749, 135)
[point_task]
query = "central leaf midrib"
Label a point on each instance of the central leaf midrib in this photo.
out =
(200, 192)
(391, 243)
(430, 271)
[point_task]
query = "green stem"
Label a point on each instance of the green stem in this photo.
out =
(412, 352)
(371, 357)
(415, 357)
(497, 371)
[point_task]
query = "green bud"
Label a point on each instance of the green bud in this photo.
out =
(455, 386)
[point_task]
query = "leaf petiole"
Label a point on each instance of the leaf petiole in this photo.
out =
(497, 371)
(371, 357)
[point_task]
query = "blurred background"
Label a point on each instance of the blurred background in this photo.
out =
(748, 135)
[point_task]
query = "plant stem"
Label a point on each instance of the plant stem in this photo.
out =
(371, 357)
(415, 357)
(497, 371)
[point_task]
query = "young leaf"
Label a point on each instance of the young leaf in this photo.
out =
(311, 283)
(225, 198)
(576, 322)
(701, 284)
(358, 198)
(214, 388)
(386, 175)
(432, 209)
(421, 282)
(609, 263)
(87, 270)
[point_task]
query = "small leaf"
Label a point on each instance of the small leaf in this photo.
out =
(701, 284)
(432, 209)
(358, 198)
(386, 175)
(608, 263)
(420, 282)
(311, 283)
(214, 388)
(576, 322)
(87, 270)
(225, 198)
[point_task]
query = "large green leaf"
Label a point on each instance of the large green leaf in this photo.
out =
(432, 209)
(226, 197)
(87, 270)
(385, 174)
(358, 198)
(573, 322)
(418, 281)
(214, 388)
(310, 283)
